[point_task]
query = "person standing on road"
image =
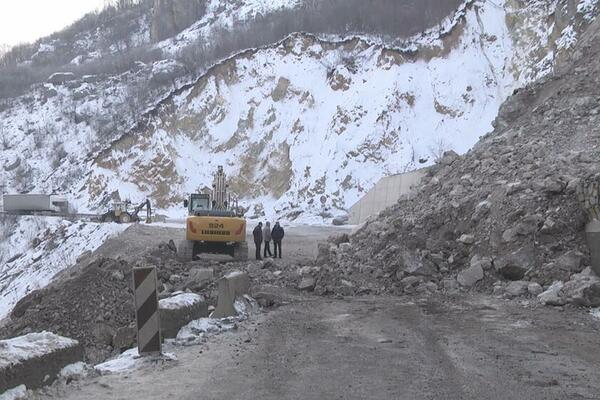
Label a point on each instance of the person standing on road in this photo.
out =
(258, 237)
(277, 236)
(267, 240)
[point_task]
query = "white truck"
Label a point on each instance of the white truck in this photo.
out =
(34, 203)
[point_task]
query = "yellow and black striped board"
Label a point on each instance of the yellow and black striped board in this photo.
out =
(146, 310)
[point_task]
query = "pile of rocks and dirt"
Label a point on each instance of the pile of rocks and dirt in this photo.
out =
(504, 218)
(89, 306)
(94, 304)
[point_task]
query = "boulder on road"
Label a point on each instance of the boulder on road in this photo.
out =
(571, 261)
(199, 278)
(470, 276)
(552, 296)
(534, 288)
(307, 283)
(514, 265)
(583, 289)
(517, 288)
(466, 239)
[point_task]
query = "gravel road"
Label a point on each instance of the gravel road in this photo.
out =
(378, 348)
(299, 244)
(465, 347)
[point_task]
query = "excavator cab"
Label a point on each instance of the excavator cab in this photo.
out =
(198, 204)
(215, 224)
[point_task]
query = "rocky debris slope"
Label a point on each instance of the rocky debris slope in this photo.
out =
(505, 212)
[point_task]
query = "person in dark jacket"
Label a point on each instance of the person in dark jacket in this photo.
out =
(258, 238)
(267, 240)
(277, 236)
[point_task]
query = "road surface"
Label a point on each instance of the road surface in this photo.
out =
(299, 244)
(473, 347)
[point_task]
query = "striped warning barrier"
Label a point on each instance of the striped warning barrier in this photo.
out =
(146, 310)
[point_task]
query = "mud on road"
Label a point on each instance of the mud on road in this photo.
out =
(467, 346)
(473, 347)
(299, 244)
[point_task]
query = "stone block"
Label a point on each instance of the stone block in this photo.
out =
(35, 359)
(179, 310)
(231, 286)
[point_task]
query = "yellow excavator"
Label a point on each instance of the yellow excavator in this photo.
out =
(215, 223)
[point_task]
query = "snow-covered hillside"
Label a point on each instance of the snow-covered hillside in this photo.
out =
(39, 248)
(309, 125)
(304, 126)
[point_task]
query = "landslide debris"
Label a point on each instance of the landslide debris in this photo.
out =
(507, 211)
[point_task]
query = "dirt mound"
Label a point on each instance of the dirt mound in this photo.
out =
(506, 211)
(95, 303)
(89, 307)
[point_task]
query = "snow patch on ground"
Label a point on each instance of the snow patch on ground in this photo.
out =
(38, 248)
(131, 360)
(33, 345)
(17, 393)
(587, 8)
(198, 330)
(180, 301)
(76, 371)
(595, 312)
(568, 38)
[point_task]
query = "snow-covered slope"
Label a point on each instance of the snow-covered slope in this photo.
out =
(304, 126)
(307, 126)
(39, 248)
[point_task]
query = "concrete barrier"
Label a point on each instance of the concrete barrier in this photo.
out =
(231, 286)
(35, 359)
(179, 310)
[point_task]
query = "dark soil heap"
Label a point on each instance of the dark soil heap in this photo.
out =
(508, 208)
(89, 307)
(93, 305)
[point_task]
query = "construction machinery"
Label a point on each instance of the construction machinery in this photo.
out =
(215, 223)
(120, 212)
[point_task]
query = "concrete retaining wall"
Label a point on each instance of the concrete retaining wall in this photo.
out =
(35, 360)
(386, 193)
